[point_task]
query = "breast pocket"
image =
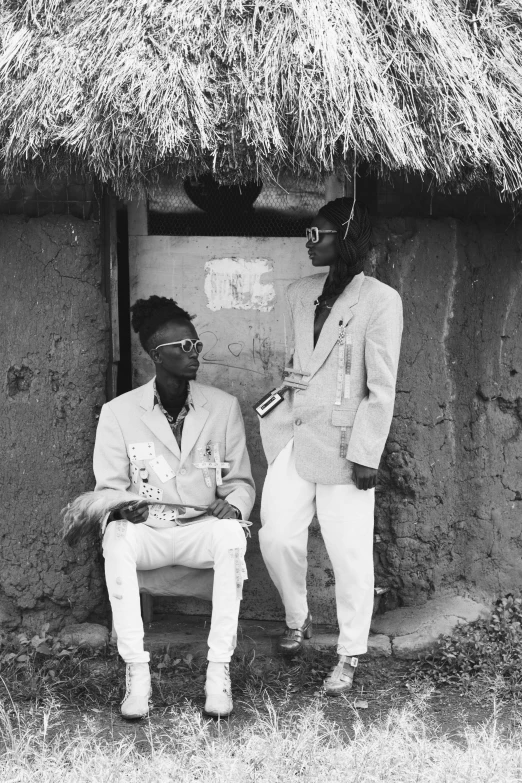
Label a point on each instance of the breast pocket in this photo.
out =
(343, 417)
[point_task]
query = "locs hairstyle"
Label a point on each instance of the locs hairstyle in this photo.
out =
(354, 228)
(149, 315)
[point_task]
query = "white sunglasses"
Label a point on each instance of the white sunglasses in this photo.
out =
(313, 234)
(187, 345)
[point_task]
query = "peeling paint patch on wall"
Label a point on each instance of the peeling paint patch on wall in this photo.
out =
(235, 283)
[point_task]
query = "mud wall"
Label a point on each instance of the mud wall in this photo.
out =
(450, 501)
(54, 355)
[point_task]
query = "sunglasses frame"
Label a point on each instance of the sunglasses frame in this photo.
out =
(315, 232)
(193, 345)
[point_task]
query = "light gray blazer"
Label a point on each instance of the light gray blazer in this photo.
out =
(372, 314)
(215, 418)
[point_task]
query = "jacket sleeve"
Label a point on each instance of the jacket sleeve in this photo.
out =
(238, 485)
(110, 460)
(381, 353)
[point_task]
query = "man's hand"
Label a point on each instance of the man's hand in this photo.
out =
(136, 513)
(365, 478)
(222, 510)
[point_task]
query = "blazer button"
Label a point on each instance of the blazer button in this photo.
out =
(298, 422)
(182, 471)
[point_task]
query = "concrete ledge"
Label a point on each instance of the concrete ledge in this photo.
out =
(415, 630)
(190, 634)
(407, 632)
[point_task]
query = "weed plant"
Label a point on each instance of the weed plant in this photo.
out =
(42, 669)
(484, 653)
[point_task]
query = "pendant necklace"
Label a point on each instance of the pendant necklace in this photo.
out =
(317, 303)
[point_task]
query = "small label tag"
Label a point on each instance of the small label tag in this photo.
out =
(354, 662)
(141, 451)
(162, 469)
(267, 403)
(150, 492)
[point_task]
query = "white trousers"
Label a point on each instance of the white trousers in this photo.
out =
(345, 514)
(213, 543)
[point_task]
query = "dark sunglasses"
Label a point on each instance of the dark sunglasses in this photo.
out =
(186, 345)
(314, 234)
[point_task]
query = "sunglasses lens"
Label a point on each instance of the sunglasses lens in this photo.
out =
(187, 345)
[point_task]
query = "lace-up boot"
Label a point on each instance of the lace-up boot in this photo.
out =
(218, 690)
(136, 701)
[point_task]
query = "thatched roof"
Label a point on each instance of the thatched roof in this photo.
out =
(126, 88)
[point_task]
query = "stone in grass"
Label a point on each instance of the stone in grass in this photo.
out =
(84, 635)
(416, 629)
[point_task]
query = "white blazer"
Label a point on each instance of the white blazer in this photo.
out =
(133, 433)
(353, 401)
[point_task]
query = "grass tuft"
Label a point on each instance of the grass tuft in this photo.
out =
(302, 745)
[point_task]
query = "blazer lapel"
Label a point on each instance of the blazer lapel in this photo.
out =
(341, 311)
(195, 421)
(304, 320)
(156, 421)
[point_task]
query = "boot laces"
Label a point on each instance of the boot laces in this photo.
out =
(227, 684)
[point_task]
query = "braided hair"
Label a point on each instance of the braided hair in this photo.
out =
(149, 315)
(352, 222)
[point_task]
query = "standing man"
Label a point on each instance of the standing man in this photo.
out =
(324, 440)
(174, 441)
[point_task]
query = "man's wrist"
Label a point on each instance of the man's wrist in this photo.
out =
(239, 515)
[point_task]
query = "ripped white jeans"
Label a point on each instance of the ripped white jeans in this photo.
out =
(213, 543)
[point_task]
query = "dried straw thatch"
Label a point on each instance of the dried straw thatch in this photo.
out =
(123, 89)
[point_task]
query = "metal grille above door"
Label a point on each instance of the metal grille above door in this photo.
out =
(204, 208)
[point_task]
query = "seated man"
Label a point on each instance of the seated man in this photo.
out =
(174, 441)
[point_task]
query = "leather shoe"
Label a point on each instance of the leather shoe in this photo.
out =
(292, 639)
(341, 677)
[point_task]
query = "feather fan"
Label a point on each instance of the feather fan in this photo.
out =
(83, 515)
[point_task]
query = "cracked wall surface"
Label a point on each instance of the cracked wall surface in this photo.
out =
(450, 506)
(55, 347)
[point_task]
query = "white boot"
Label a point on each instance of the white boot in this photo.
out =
(218, 690)
(136, 701)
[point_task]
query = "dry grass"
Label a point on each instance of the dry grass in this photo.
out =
(301, 746)
(59, 721)
(126, 89)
